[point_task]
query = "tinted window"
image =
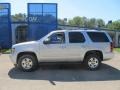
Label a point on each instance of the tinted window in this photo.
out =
(98, 37)
(57, 38)
(76, 37)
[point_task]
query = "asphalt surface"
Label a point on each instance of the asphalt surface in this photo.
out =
(60, 76)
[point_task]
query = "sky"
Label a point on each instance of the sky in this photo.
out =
(104, 9)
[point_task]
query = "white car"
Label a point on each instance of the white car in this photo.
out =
(87, 46)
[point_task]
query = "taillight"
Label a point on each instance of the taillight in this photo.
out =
(111, 46)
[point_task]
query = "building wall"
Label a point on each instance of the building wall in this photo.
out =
(115, 35)
(117, 42)
(14, 28)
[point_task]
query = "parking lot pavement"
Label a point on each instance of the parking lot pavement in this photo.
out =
(60, 77)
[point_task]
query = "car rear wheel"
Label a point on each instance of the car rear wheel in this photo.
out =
(27, 63)
(92, 62)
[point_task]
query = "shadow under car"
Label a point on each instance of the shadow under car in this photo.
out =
(67, 73)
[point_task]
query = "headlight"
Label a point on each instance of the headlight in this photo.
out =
(13, 50)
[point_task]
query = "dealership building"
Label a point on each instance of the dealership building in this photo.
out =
(41, 19)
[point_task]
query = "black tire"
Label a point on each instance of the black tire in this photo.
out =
(32, 59)
(88, 60)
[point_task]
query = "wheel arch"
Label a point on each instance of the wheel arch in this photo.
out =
(26, 52)
(97, 52)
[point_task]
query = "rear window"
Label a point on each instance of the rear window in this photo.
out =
(98, 36)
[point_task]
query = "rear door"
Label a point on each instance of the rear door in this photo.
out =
(76, 46)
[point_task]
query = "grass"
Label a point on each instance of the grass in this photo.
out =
(117, 49)
(6, 51)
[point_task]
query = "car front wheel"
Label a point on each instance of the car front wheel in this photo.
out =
(27, 63)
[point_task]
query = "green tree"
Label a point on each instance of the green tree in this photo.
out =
(85, 22)
(19, 17)
(114, 25)
(62, 22)
(71, 22)
(100, 23)
(76, 21)
(92, 23)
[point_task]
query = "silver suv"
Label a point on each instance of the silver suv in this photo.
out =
(87, 46)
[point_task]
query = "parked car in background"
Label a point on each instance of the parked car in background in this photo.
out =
(89, 47)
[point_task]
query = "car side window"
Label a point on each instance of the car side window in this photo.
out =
(76, 37)
(57, 38)
(98, 37)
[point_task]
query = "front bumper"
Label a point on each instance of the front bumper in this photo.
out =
(13, 58)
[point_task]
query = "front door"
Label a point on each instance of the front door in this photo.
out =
(55, 50)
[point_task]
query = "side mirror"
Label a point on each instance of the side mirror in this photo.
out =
(46, 41)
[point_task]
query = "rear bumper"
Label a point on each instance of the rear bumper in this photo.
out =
(108, 56)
